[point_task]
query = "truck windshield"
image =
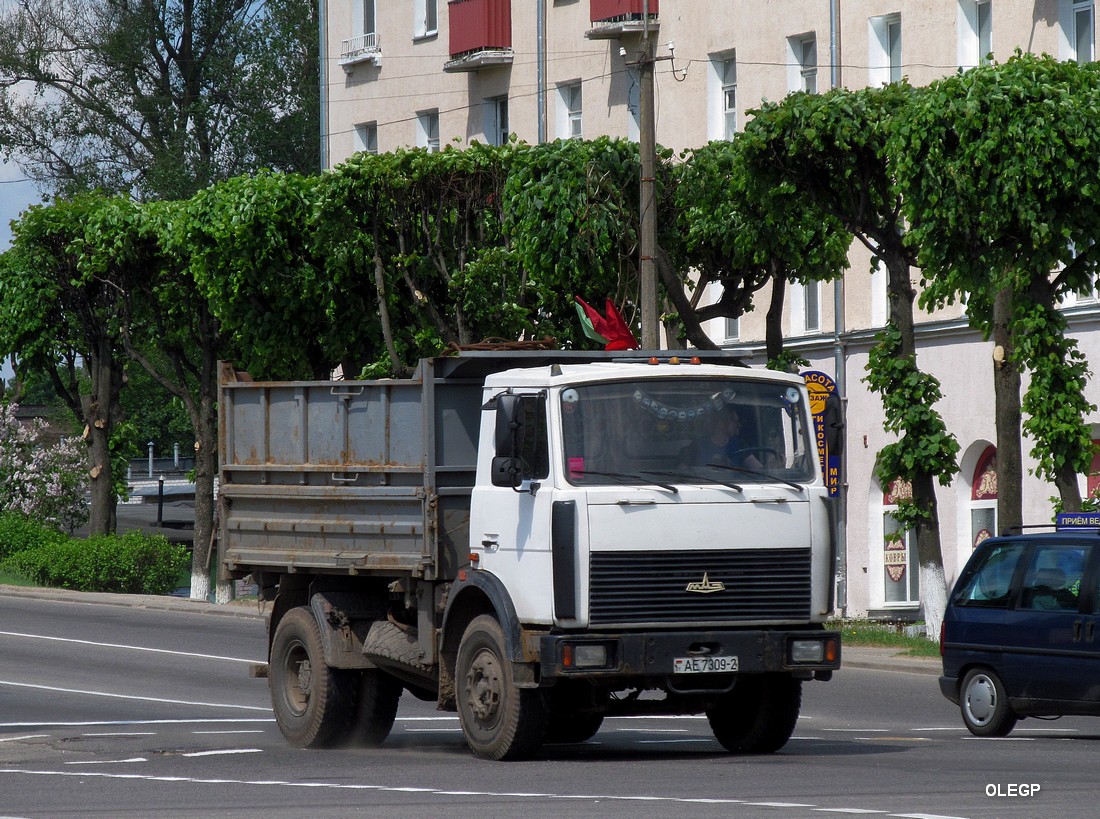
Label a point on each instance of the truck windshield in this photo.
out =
(680, 430)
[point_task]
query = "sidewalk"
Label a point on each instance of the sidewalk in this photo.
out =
(866, 657)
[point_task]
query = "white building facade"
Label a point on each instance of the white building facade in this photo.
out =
(431, 73)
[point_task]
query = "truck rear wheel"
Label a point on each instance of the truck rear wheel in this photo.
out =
(375, 708)
(313, 703)
(500, 721)
(758, 716)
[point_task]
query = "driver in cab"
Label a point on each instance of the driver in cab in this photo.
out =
(722, 445)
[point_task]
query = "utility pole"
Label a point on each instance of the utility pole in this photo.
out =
(647, 144)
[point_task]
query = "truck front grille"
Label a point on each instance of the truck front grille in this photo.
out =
(728, 586)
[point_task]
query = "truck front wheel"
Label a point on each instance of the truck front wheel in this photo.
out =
(758, 716)
(313, 703)
(500, 721)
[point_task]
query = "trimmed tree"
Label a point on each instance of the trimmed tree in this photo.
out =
(998, 168)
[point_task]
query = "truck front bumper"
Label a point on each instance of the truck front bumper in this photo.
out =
(641, 655)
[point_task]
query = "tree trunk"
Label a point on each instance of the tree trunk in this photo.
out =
(933, 583)
(205, 424)
(1006, 392)
(101, 409)
(773, 322)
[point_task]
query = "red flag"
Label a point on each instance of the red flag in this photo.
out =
(612, 327)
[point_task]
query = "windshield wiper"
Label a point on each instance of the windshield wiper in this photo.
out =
(687, 476)
(758, 474)
(629, 478)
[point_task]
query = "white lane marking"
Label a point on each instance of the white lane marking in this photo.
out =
(108, 761)
(924, 816)
(859, 811)
(133, 697)
(119, 734)
(25, 736)
(225, 752)
(227, 721)
(219, 733)
(342, 786)
(129, 648)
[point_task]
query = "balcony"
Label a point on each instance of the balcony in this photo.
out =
(480, 34)
(363, 48)
(612, 19)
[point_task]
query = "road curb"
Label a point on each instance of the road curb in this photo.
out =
(888, 659)
(243, 609)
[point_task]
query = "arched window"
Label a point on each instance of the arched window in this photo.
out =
(901, 580)
(983, 498)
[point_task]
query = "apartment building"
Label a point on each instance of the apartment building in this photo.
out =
(431, 73)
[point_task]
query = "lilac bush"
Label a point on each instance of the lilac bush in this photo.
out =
(46, 482)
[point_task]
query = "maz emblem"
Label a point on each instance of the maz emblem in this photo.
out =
(706, 587)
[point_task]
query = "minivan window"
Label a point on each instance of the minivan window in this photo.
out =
(990, 581)
(1053, 579)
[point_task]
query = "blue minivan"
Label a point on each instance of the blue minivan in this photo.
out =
(1021, 633)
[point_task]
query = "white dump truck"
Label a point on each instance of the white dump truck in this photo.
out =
(536, 540)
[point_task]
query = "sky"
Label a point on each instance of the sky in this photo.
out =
(16, 194)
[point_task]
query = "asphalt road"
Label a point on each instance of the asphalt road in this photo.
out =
(114, 706)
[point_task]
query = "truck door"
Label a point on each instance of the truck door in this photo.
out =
(1053, 660)
(510, 519)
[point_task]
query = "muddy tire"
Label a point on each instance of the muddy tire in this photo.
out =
(499, 720)
(376, 699)
(313, 703)
(759, 715)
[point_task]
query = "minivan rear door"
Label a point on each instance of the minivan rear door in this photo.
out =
(1049, 658)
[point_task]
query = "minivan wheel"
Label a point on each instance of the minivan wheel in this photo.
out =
(984, 704)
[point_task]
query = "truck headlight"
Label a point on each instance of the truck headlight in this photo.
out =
(585, 655)
(811, 652)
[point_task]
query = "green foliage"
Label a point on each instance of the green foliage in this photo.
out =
(158, 99)
(908, 398)
(740, 232)
(571, 218)
(1054, 403)
(998, 167)
(248, 243)
(134, 563)
(19, 533)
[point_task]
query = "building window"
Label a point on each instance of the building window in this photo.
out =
(733, 329)
(1082, 36)
(729, 98)
(427, 130)
(569, 97)
(363, 21)
(811, 306)
(901, 571)
(975, 32)
(426, 23)
(983, 498)
(496, 120)
(366, 138)
(802, 53)
(983, 18)
(805, 305)
(885, 49)
(722, 96)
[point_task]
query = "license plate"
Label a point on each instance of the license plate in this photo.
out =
(704, 665)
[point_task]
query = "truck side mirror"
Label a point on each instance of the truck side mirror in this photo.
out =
(507, 471)
(508, 440)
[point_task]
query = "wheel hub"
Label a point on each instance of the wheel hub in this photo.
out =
(980, 701)
(484, 687)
